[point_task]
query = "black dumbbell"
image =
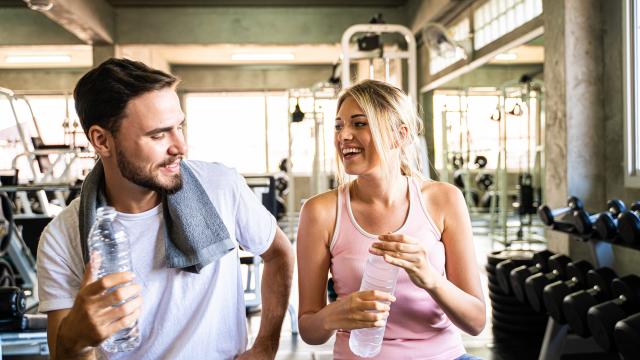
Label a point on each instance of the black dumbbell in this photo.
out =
(534, 285)
(548, 216)
(606, 225)
(553, 294)
(584, 223)
(629, 224)
(575, 306)
(503, 269)
(627, 335)
(602, 318)
(518, 275)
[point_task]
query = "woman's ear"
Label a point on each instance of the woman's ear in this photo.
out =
(101, 140)
(404, 139)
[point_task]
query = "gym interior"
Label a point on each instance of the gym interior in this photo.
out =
(529, 108)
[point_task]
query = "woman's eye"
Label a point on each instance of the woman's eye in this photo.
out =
(360, 124)
(338, 126)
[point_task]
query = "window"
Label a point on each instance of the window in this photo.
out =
(250, 131)
(54, 121)
(471, 124)
(498, 17)
(459, 33)
(631, 63)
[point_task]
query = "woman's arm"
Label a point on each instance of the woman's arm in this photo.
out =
(459, 294)
(318, 321)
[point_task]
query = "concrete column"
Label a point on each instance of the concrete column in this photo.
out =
(101, 53)
(574, 126)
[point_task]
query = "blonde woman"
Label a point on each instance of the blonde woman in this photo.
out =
(387, 209)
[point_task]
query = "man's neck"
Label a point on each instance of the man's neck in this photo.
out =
(127, 197)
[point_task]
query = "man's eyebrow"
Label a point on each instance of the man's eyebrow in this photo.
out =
(162, 129)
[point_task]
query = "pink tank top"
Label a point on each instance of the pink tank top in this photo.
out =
(416, 328)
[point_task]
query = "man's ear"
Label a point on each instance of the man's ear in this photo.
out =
(102, 141)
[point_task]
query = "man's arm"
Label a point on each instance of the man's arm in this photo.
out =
(276, 286)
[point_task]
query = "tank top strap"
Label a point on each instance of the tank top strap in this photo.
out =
(419, 211)
(340, 210)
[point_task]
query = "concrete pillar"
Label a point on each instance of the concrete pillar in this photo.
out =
(574, 124)
(102, 53)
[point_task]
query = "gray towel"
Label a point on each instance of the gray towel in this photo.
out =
(195, 233)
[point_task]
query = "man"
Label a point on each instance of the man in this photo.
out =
(132, 117)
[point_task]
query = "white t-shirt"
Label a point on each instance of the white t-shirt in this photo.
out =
(184, 315)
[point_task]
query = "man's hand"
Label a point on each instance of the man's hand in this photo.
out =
(97, 314)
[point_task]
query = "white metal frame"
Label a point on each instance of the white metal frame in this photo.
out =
(630, 98)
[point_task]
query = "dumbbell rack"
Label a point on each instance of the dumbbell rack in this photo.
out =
(557, 341)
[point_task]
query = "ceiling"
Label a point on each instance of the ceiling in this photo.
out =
(254, 3)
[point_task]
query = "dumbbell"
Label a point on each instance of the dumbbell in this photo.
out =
(547, 215)
(607, 223)
(584, 222)
(602, 318)
(503, 269)
(521, 273)
(534, 285)
(629, 224)
(627, 335)
(554, 293)
(575, 306)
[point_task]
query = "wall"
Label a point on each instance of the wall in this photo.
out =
(40, 79)
(244, 25)
(249, 78)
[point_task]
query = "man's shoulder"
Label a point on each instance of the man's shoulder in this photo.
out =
(68, 217)
(210, 170)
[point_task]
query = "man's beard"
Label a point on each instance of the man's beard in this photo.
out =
(137, 175)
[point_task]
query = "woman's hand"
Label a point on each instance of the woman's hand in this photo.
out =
(362, 309)
(407, 253)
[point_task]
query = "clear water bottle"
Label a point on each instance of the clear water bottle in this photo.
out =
(109, 248)
(378, 275)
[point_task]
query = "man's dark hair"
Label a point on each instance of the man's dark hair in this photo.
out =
(103, 93)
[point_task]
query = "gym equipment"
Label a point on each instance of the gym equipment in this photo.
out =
(575, 306)
(519, 274)
(7, 277)
(627, 336)
(534, 284)
(584, 223)
(13, 303)
(484, 181)
(554, 293)
(503, 269)
(602, 318)
(548, 216)
(606, 226)
(629, 225)
(510, 318)
(6, 222)
(480, 161)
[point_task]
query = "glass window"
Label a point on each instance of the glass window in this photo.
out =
(250, 131)
(502, 16)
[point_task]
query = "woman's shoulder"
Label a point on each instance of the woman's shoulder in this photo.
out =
(321, 206)
(438, 191)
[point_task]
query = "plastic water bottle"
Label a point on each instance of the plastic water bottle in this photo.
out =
(378, 275)
(109, 244)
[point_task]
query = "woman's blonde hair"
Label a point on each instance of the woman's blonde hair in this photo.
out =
(388, 109)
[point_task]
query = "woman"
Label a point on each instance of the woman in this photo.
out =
(421, 226)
